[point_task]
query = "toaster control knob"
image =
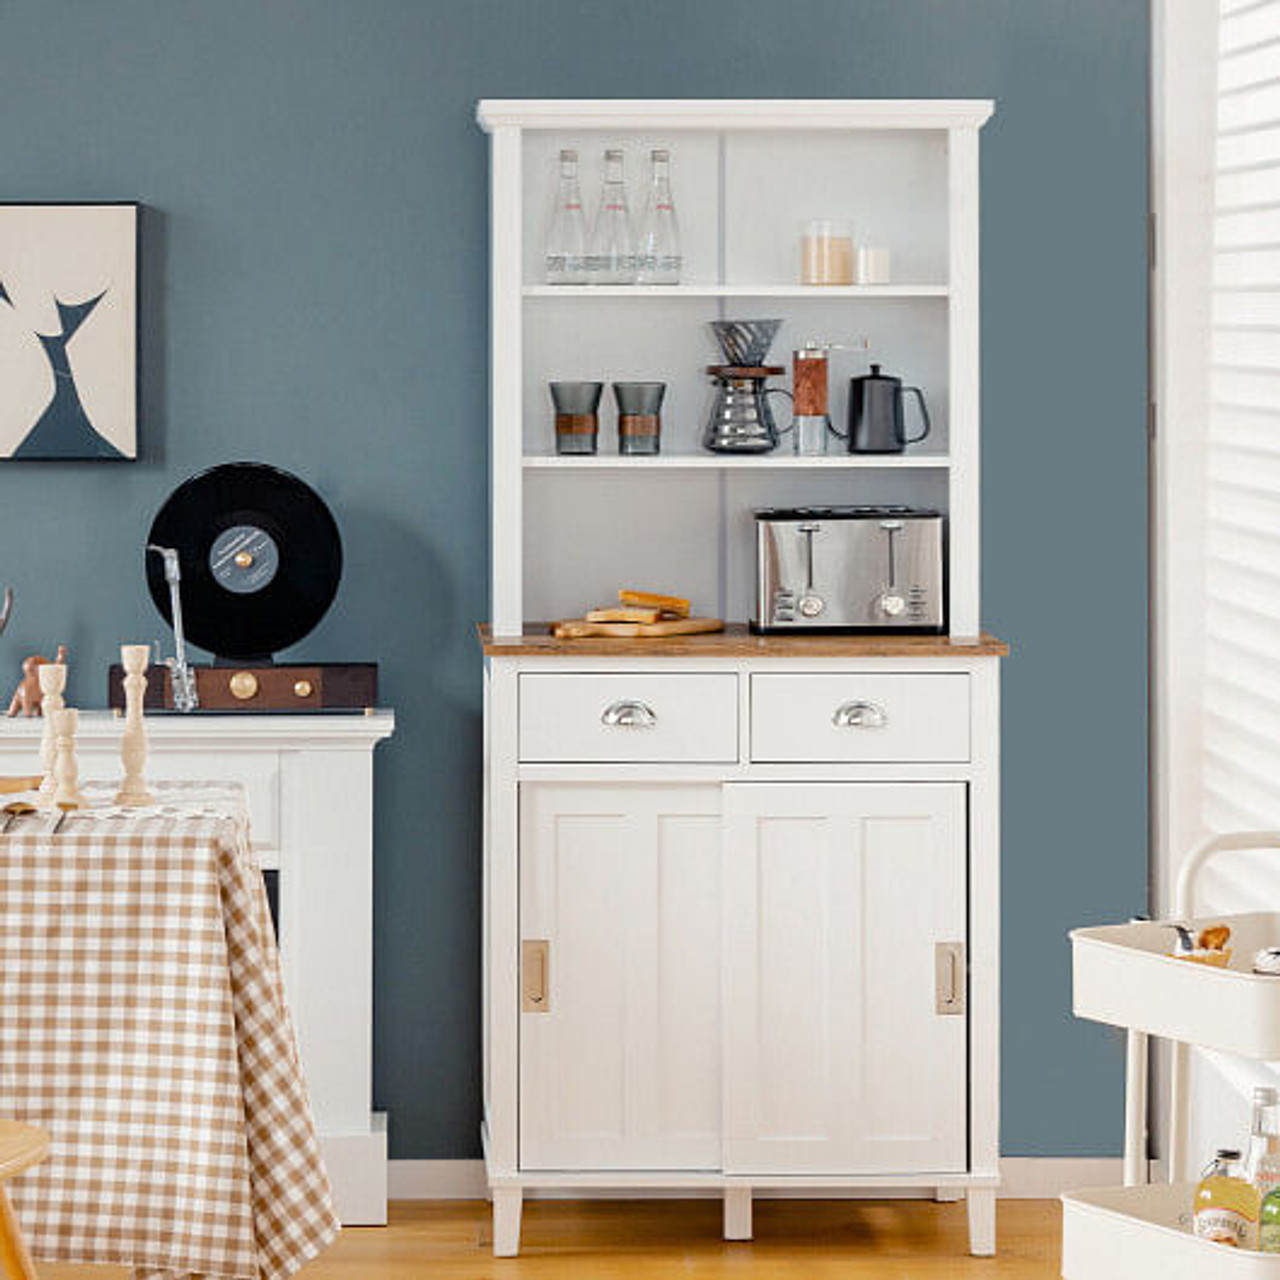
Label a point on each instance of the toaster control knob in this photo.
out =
(892, 604)
(811, 606)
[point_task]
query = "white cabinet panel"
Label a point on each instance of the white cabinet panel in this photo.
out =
(836, 1057)
(622, 1070)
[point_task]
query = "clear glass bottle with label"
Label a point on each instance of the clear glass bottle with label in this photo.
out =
(566, 244)
(1227, 1207)
(611, 255)
(658, 256)
(1262, 1158)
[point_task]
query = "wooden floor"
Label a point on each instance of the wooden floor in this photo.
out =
(613, 1240)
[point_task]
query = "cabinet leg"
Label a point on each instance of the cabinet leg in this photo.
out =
(507, 1203)
(948, 1195)
(982, 1222)
(737, 1213)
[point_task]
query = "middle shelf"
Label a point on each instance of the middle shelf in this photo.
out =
(779, 461)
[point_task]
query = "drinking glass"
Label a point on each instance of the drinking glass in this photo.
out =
(639, 416)
(577, 407)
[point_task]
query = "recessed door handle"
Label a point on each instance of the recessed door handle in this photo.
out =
(859, 715)
(535, 994)
(949, 971)
(628, 713)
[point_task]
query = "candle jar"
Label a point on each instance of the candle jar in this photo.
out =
(826, 252)
(639, 416)
(577, 407)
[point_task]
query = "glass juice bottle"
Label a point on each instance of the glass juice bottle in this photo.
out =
(611, 256)
(566, 244)
(1226, 1206)
(1269, 1230)
(658, 250)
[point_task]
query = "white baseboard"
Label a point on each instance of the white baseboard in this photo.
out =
(1022, 1178)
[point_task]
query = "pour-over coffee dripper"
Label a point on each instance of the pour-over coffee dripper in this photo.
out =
(741, 421)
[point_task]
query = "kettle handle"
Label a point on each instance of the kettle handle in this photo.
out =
(924, 414)
(781, 391)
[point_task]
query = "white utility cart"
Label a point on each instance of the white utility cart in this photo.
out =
(1125, 977)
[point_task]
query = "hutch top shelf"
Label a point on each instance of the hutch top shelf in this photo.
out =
(734, 113)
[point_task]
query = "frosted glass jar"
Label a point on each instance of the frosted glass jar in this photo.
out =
(826, 252)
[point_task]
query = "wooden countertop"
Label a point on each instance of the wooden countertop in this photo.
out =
(735, 641)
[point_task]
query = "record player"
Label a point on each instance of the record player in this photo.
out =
(244, 560)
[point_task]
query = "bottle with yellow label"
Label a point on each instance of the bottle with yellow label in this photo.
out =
(1227, 1207)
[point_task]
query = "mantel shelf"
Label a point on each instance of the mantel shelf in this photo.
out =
(727, 462)
(735, 291)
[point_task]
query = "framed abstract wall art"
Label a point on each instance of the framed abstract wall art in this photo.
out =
(68, 331)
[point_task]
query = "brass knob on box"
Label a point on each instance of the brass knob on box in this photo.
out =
(243, 685)
(302, 688)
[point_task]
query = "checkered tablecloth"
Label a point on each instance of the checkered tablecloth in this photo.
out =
(143, 1024)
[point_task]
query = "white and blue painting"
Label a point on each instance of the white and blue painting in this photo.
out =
(68, 331)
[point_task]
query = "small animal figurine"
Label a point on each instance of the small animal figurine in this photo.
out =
(26, 697)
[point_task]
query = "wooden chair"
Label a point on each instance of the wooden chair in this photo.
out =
(21, 1146)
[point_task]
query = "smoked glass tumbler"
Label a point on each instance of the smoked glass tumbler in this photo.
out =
(577, 407)
(639, 416)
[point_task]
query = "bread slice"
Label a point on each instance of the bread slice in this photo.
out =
(624, 614)
(651, 600)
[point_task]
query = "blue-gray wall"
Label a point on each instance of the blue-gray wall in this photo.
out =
(315, 296)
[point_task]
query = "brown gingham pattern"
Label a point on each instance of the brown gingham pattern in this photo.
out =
(143, 1023)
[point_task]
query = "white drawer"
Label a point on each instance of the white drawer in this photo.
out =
(617, 718)
(858, 717)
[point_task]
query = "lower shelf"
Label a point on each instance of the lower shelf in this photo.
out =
(1121, 1233)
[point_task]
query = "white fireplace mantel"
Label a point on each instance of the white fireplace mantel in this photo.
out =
(309, 781)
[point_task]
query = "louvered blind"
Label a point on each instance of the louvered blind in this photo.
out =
(1241, 723)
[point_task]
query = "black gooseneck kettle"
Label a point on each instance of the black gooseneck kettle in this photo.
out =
(876, 417)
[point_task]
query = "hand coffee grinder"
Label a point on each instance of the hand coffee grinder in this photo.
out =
(741, 420)
(811, 413)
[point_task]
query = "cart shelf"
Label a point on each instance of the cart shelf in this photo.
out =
(1124, 976)
(1122, 1233)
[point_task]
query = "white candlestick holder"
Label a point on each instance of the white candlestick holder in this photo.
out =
(133, 742)
(53, 682)
(67, 794)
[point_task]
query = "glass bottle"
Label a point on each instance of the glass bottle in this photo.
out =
(1262, 1140)
(1269, 1230)
(611, 256)
(658, 250)
(566, 244)
(1226, 1206)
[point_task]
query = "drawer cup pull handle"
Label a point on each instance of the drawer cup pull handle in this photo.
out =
(629, 714)
(859, 715)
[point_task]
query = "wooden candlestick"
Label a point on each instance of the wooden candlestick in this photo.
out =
(53, 680)
(133, 743)
(67, 793)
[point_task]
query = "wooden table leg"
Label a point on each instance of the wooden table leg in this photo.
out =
(15, 1261)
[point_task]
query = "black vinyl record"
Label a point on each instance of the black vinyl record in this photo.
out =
(260, 556)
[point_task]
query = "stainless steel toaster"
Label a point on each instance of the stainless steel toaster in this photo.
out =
(849, 569)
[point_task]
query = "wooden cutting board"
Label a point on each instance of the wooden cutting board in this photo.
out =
(578, 629)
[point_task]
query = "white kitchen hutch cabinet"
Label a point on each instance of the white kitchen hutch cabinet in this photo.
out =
(734, 941)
